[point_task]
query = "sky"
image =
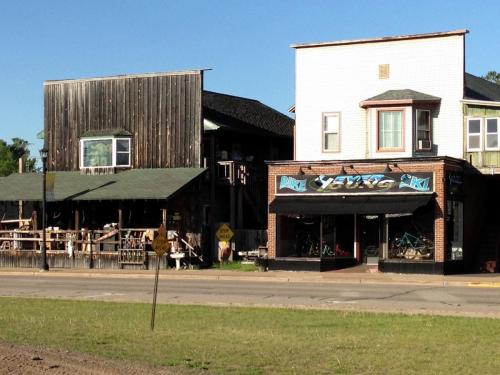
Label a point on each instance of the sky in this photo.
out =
(246, 43)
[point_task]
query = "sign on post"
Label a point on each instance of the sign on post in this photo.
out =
(224, 233)
(160, 246)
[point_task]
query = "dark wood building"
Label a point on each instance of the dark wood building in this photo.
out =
(139, 150)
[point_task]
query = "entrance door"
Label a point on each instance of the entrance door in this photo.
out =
(370, 238)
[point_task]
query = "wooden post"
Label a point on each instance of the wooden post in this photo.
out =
(34, 219)
(77, 229)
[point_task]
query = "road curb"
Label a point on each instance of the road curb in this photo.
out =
(268, 277)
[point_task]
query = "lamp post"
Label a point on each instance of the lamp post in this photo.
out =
(43, 253)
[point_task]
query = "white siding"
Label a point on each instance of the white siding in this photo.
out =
(338, 78)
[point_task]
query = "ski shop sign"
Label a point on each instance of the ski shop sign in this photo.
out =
(352, 184)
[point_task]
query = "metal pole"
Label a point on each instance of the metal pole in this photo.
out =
(43, 252)
(155, 292)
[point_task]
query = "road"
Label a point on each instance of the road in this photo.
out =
(431, 299)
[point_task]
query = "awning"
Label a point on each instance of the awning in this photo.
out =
(349, 204)
(139, 184)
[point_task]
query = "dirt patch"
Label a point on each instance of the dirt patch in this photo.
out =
(25, 360)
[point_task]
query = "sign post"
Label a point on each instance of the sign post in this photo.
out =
(160, 246)
(224, 235)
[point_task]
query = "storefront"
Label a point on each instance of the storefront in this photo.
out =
(390, 214)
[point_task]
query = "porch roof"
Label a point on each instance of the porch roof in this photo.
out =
(139, 184)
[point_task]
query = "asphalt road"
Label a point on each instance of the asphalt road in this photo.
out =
(430, 299)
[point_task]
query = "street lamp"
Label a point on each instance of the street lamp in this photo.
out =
(43, 253)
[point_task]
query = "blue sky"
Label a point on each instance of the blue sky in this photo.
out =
(246, 43)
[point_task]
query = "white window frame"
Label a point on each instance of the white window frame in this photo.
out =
(486, 134)
(481, 122)
(417, 147)
(113, 151)
(325, 115)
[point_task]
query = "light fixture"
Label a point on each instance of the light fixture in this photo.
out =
(342, 170)
(387, 168)
(301, 172)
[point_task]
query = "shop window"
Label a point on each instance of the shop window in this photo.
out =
(411, 236)
(104, 152)
(492, 134)
(314, 236)
(390, 130)
(423, 130)
(474, 134)
(331, 132)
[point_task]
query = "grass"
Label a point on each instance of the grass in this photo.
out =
(236, 266)
(258, 341)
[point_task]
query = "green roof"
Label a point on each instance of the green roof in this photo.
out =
(141, 184)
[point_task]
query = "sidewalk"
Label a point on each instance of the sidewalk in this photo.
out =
(469, 280)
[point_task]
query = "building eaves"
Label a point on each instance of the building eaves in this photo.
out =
(383, 39)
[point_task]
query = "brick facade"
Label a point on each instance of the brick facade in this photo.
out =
(438, 166)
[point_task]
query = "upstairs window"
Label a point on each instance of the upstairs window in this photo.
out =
(474, 134)
(331, 132)
(492, 133)
(104, 152)
(423, 130)
(390, 130)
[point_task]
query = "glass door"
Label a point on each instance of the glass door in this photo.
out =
(370, 238)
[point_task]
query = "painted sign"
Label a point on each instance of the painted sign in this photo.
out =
(224, 233)
(355, 184)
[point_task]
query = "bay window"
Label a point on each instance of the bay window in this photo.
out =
(390, 130)
(423, 130)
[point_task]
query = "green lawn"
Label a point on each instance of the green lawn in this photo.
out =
(258, 340)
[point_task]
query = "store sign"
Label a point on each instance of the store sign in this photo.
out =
(354, 184)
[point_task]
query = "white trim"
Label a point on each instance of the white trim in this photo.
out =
(480, 134)
(481, 102)
(486, 134)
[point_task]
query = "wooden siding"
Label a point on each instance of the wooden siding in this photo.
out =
(163, 113)
(480, 158)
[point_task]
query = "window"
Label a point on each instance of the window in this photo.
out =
(331, 132)
(390, 130)
(474, 134)
(104, 152)
(492, 133)
(423, 129)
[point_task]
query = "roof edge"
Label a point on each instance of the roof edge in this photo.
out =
(382, 39)
(486, 103)
(389, 102)
(126, 76)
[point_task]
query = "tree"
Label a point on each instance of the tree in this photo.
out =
(492, 76)
(11, 153)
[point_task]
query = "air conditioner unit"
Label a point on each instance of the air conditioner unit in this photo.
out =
(424, 144)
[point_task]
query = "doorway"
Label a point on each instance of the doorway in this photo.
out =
(370, 239)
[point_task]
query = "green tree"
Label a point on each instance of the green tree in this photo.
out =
(492, 76)
(11, 153)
